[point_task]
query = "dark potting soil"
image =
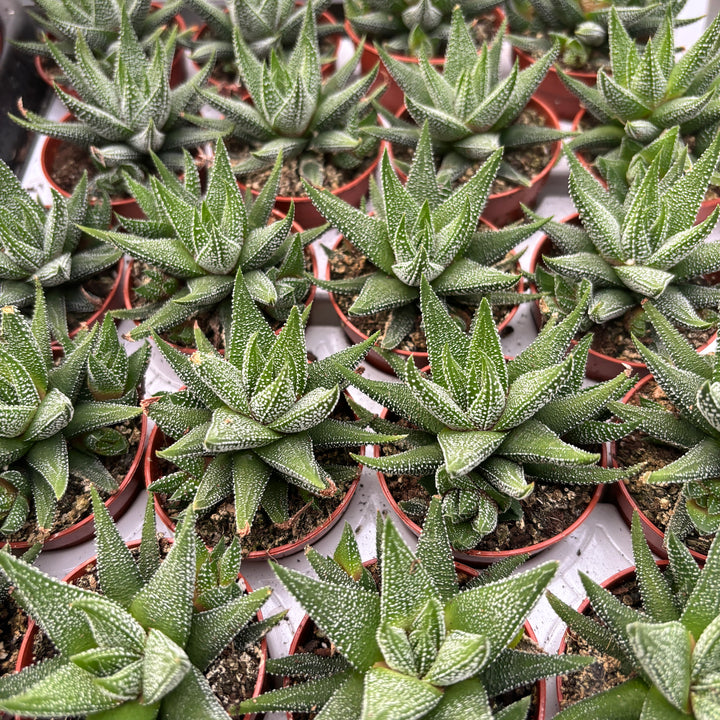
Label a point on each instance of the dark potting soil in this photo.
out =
(605, 673)
(75, 505)
(68, 165)
(13, 624)
(484, 28)
(347, 262)
(96, 289)
(657, 502)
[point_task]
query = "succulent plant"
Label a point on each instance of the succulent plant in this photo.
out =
(29, 556)
(642, 247)
(125, 112)
(582, 28)
(139, 649)
(198, 241)
(417, 646)
(249, 424)
(486, 425)
(649, 91)
(470, 111)
(292, 110)
(97, 22)
(48, 246)
(668, 647)
(405, 27)
(270, 25)
(57, 417)
(416, 232)
(690, 381)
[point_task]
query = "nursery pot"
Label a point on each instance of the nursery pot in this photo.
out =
(504, 208)
(482, 558)
(305, 213)
(306, 628)
(599, 365)
(152, 473)
(627, 504)
(127, 287)
(552, 90)
(393, 97)
(26, 656)
(116, 504)
(375, 359)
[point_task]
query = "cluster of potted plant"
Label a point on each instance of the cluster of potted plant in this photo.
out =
(423, 155)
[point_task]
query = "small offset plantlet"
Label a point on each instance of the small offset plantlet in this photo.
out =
(265, 26)
(409, 28)
(418, 233)
(692, 384)
(646, 91)
(57, 418)
(668, 647)
(418, 645)
(470, 111)
(487, 426)
(139, 649)
(639, 247)
(249, 423)
(582, 27)
(128, 110)
(196, 242)
(48, 246)
(294, 112)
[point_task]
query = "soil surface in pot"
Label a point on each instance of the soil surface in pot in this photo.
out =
(307, 512)
(232, 675)
(290, 179)
(597, 59)
(484, 28)
(605, 673)
(657, 502)
(96, 289)
(75, 505)
(347, 262)
(13, 624)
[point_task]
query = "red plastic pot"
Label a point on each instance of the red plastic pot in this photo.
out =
(152, 473)
(393, 97)
(26, 655)
(116, 504)
(626, 502)
(599, 365)
(504, 208)
(127, 287)
(376, 360)
(552, 90)
(306, 629)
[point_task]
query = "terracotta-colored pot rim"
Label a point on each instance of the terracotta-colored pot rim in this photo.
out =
(25, 655)
(634, 365)
(608, 584)
(151, 473)
(64, 538)
(554, 124)
(421, 355)
(127, 286)
(578, 74)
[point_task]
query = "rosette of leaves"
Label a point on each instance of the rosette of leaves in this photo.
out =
(57, 417)
(127, 111)
(249, 423)
(269, 25)
(692, 384)
(668, 648)
(292, 110)
(48, 246)
(197, 242)
(582, 28)
(417, 646)
(646, 91)
(486, 427)
(98, 22)
(469, 110)
(418, 232)
(139, 649)
(643, 246)
(409, 28)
